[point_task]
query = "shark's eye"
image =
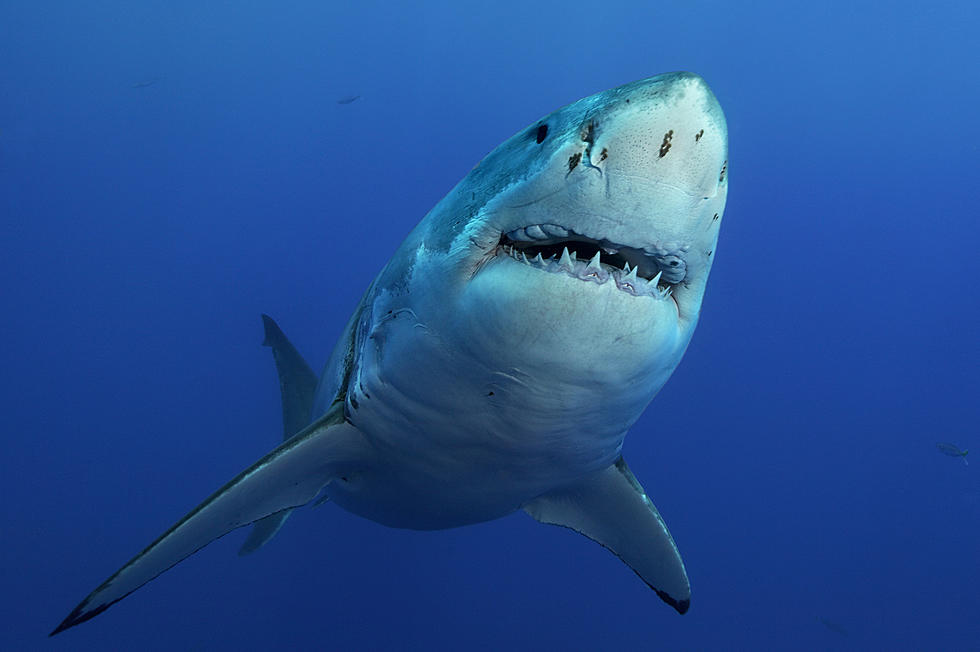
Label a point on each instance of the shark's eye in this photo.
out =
(542, 134)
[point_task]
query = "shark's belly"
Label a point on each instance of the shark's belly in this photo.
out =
(459, 439)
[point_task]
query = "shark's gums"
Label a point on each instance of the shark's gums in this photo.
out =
(498, 360)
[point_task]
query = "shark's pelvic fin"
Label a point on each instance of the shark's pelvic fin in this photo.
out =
(297, 384)
(262, 531)
(611, 508)
(289, 476)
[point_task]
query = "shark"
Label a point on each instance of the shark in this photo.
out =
(498, 360)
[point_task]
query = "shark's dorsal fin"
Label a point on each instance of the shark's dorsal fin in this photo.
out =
(297, 382)
(611, 508)
(297, 385)
(289, 476)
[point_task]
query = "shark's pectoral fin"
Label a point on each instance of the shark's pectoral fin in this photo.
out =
(289, 476)
(611, 508)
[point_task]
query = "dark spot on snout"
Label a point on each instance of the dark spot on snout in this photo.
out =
(724, 169)
(604, 154)
(665, 146)
(489, 393)
(541, 134)
(573, 160)
(588, 133)
(697, 136)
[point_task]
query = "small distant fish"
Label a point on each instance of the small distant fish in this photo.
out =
(832, 626)
(349, 99)
(952, 451)
(146, 82)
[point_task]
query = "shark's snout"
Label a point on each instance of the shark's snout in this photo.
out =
(636, 178)
(671, 133)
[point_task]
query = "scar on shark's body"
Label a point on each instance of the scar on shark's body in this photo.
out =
(483, 370)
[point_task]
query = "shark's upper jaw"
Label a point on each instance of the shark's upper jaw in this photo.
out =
(554, 248)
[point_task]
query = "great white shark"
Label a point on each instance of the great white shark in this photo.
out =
(499, 358)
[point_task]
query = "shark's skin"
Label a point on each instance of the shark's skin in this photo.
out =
(476, 379)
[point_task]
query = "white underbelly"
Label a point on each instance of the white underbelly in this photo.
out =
(458, 440)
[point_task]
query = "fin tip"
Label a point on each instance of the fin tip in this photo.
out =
(270, 329)
(680, 605)
(78, 616)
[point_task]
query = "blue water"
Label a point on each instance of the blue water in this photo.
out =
(168, 171)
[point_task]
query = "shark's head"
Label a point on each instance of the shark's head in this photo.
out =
(576, 254)
(636, 175)
(605, 213)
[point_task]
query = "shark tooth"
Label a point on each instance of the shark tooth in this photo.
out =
(566, 260)
(518, 235)
(628, 281)
(538, 260)
(524, 258)
(594, 263)
(554, 230)
(655, 281)
(535, 232)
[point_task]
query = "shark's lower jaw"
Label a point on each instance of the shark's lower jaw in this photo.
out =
(633, 270)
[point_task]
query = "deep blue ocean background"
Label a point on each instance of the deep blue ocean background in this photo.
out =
(170, 170)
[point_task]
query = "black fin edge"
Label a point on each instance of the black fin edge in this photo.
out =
(79, 616)
(680, 605)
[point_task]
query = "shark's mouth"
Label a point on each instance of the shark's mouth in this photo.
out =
(556, 249)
